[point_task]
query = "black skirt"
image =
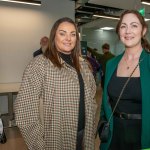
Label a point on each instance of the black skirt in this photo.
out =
(126, 134)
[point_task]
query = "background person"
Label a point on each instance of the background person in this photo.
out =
(67, 87)
(130, 125)
(44, 45)
(107, 55)
(94, 64)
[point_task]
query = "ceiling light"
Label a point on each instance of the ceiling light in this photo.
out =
(146, 19)
(107, 28)
(29, 2)
(107, 17)
(146, 2)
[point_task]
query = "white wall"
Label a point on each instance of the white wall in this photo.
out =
(21, 27)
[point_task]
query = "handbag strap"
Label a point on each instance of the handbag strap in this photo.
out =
(122, 90)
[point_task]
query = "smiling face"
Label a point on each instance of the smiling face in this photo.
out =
(65, 38)
(131, 31)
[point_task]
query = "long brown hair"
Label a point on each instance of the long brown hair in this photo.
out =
(52, 52)
(144, 41)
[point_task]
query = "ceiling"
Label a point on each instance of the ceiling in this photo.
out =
(85, 9)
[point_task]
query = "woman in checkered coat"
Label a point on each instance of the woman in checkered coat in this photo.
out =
(62, 81)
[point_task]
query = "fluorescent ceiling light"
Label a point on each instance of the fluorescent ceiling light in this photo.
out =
(107, 17)
(107, 28)
(113, 17)
(146, 19)
(146, 2)
(29, 2)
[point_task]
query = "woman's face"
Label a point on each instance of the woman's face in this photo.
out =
(130, 31)
(65, 38)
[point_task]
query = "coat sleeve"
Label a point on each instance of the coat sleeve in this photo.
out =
(104, 96)
(92, 87)
(27, 106)
(93, 94)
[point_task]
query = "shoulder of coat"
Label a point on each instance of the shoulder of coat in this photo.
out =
(38, 63)
(81, 59)
(39, 60)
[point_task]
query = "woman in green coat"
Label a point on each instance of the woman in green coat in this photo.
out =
(130, 124)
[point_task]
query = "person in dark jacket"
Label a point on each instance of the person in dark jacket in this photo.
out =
(44, 45)
(107, 55)
(94, 64)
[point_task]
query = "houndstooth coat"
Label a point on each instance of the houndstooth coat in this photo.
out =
(59, 90)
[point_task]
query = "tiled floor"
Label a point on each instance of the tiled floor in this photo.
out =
(16, 142)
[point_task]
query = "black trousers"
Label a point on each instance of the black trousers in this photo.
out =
(80, 135)
(126, 135)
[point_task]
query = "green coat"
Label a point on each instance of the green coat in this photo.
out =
(145, 86)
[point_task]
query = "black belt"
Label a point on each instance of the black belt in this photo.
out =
(123, 115)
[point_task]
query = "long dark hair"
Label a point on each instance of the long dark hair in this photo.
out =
(144, 41)
(52, 52)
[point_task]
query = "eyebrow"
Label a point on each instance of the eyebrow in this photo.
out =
(66, 31)
(131, 23)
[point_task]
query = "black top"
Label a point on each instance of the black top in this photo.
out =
(130, 101)
(81, 121)
(126, 133)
